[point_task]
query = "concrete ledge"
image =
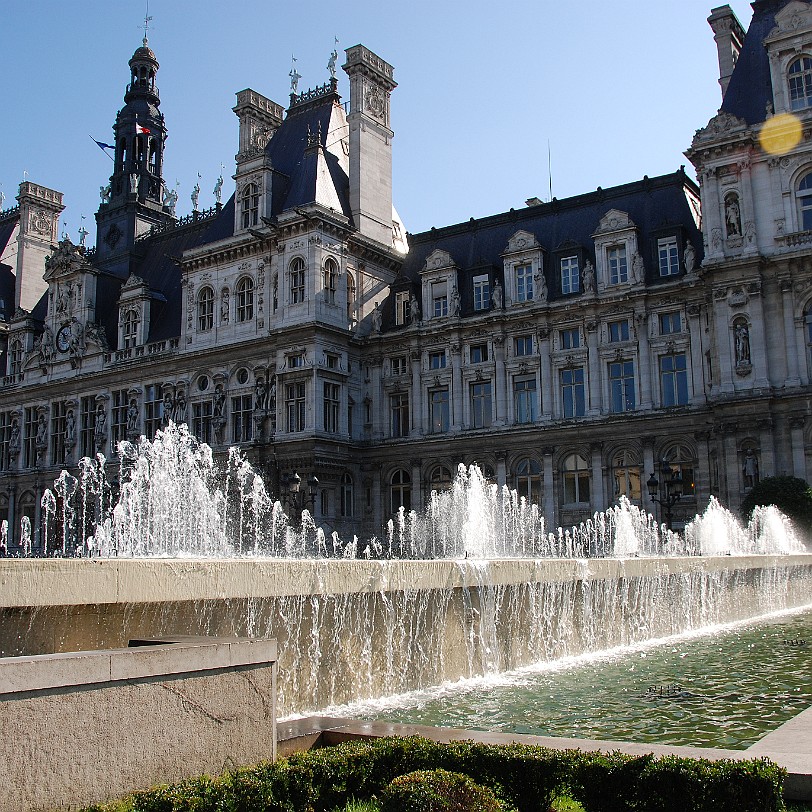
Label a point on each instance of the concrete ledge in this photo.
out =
(78, 582)
(302, 734)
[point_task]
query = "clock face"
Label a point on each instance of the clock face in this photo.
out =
(63, 339)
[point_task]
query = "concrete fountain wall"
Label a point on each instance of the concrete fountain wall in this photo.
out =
(358, 629)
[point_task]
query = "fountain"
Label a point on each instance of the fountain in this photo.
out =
(473, 585)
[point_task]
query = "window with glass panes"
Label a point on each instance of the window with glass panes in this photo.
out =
(400, 491)
(617, 264)
(524, 282)
(524, 399)
(402, 307)
(482, 292)
(295, 405)
(668, 255)
(245, 299)
(800, 83)
(570, 275)
(249, 205)
(297, 281)
(330, 280)
(674, 379)
(399, 365)
(619, 330)
(242, 418)
(59, 411)
(205, 309)
(87, 442)
(16, 358)
(153, 409)
(399, 414)
(577, 479)
(621, 386)
(30, 448)
(670, 323)
(570, 339)
(523, 345)
(347, 496)
(118, 424)
(681, 459)
(202, 413)
(479, 353)
(481, 404)
(439, 299)
(437, 360)
(332, 395)
(626, 476)
(804, 196)
(439, 410)
(573, 393)
(528, 480)
(130, 328)
(5, 438)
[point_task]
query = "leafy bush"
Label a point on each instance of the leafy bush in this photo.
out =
(792, 496)
(437, 791)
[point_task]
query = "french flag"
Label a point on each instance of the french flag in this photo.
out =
(139, 130)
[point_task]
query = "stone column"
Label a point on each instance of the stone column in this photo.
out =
(380, 408)
(417, 396)
(547, 391)
(456, 399)
(697, 360)
(417, 485)
(796, 427)
(702, 482)
(501, 381)
(548, 500)
(595, 400)
(644, 355)
(766, 443)
(723, 340)
(758, 345)
(501, 468)
(731, 490)
(790, 342)
(598, 488)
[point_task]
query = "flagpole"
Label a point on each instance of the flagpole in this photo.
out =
(101, 147)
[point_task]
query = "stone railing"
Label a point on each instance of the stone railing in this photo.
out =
(8, 214)
(154, 349)
(798, 238)
(194, 217)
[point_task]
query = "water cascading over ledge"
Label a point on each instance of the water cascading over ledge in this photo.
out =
(473, 586)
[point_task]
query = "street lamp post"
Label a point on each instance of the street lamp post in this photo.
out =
(294, 498)
(672, 490)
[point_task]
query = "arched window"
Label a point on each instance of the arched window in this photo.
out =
(123, 153)
(129, 329)
(626, 475)
(245, 299)
(205, 309)
(576, 480)
(330, 278)
(528, 480)
(16, 358)
(249, 205)
(804, 196)
(347, 496)
(682, 460)
(297, 280)
(400, 490)
(350, 296)
(153, 157)
(440, 479)
(800, 83)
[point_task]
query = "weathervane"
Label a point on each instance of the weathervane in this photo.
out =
(147, 21)
(294, 76)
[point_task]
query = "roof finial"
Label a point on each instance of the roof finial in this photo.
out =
(331, 65)
(147, 21)
(294, 76)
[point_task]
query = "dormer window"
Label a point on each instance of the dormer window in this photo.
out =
(524, 282)
(800, 83)
(249, 205)
(130, 329)
(805, 202)
(482, 292)
(439, 299)
(570, 278)
(617, 264)
(668, 256)
(16, 358)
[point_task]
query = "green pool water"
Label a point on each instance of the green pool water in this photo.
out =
(725, 688)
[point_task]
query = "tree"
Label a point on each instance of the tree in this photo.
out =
(792, 496)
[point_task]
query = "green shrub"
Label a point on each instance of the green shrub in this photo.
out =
(792, 496)
(437, 791)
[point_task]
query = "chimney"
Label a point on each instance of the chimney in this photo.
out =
(729, 35)
(371, 84)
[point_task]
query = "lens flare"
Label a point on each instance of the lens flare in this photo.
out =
(780, 134)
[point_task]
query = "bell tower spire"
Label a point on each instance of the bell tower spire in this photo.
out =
(133, 202)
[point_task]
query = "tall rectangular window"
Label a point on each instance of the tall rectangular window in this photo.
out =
(482, 292)
(295, 405)
(619, 330)
(621, 386)
(668, 256)
(481, 404)
(438, 410)
(618, 267)
(437, 360)
(670, 323)
(573, 393)
(439, 299)
(332, 395)
(297, 280)
(524, 399)
(523, 345)
(153, 409)
(401, 307)
(201, 420)
(118, 424)
(570, 275)
(674, 379)
(59, 411)
(479, 353)
(570, 339)
(399, 406)
(87, 443)
(5, 439)
(31, 424)
(242, 418)
(524, 283)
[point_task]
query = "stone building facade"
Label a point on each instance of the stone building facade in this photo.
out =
(571, 348)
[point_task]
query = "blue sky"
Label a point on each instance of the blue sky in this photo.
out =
(616, 88)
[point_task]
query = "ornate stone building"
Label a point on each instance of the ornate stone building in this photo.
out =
(571, 348)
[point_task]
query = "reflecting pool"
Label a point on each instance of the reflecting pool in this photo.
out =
(725, 687)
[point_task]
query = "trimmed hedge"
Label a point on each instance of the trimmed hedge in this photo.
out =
(437, 791)
(523, 776)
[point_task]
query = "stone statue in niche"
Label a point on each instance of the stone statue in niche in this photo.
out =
(541, 288)
(167, 410)
(132, 417)
(100, 427)
(41, 437)
(589, 277)
(750, 468)
(260, 395)
(689, 258)
(219, 401)
(454, 304)
(14, 439)
(498, 296)
(224, 305)
(414, 310)
(742, 336)
(733, 220)
(179, 413)
(638, 270)
(46, 346)
(377, 318)
(70, 429)
(134, 183)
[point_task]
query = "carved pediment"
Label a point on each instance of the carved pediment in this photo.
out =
(614, 220)
(66, 260)
(791, 19)
(522, 241)
(438, 259)
(720, 125)
(133, 283)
